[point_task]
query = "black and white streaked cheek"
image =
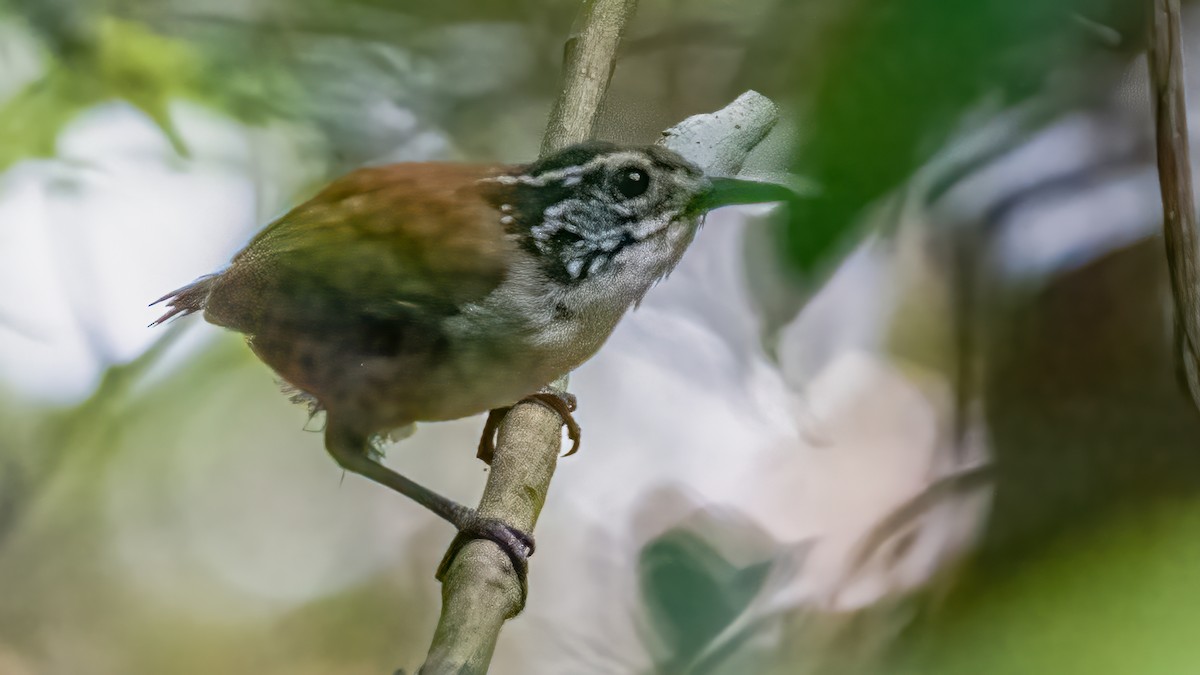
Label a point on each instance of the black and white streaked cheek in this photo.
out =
(598, 254)
(582, 263)
(575, 267)
(568, 215)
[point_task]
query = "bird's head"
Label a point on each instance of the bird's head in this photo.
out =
(599, 213)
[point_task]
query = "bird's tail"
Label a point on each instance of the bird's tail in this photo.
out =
(190, 298)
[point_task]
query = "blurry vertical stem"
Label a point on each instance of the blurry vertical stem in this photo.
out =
(1175, 178)
(588, 60)
(480, 590)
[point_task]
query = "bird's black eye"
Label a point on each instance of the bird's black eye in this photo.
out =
(631, 182)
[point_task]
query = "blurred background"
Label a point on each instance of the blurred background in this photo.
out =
(927, 421)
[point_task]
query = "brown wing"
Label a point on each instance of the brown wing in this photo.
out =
(382, 242)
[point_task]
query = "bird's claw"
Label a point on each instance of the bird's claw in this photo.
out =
(562, 402)
(516, 544)
(487, 442)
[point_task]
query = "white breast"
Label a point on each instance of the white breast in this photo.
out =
(531, 329)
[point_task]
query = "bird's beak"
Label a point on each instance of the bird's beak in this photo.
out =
(731, 191)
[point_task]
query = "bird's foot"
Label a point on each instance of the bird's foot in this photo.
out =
(487, 442)
(564, 403)
(561, 402)
(515, 544)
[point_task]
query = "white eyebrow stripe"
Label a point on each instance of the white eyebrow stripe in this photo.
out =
(576, 173)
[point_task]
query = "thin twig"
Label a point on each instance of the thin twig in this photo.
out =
(1175, 178)
(588, 61)
(480, 590)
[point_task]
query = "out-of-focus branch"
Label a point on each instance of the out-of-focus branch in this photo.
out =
(480, 590)
(1175, 178)
(588, 61)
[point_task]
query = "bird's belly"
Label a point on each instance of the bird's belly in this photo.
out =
(378, 392)
(464, 390)
(483, 376)
(497, 369)
(468, 365)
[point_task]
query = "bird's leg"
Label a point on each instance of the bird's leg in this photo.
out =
(487, 442)
(561, 402)
(349, 450)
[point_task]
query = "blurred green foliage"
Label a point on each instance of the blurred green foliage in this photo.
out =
(128, 63)
(897, 78)
(878, 86)
(1116, 598)
(692, 594)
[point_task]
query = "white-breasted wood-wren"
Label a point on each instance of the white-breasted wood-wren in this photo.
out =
(433, 291)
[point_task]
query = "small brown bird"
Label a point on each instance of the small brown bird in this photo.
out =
(434, 291)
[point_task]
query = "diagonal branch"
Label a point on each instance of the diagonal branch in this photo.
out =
(1165, 54)
(480, 590)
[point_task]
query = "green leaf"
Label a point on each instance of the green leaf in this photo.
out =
(127, 62)
(692, 593)
(899, 77)
(1109, 598)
